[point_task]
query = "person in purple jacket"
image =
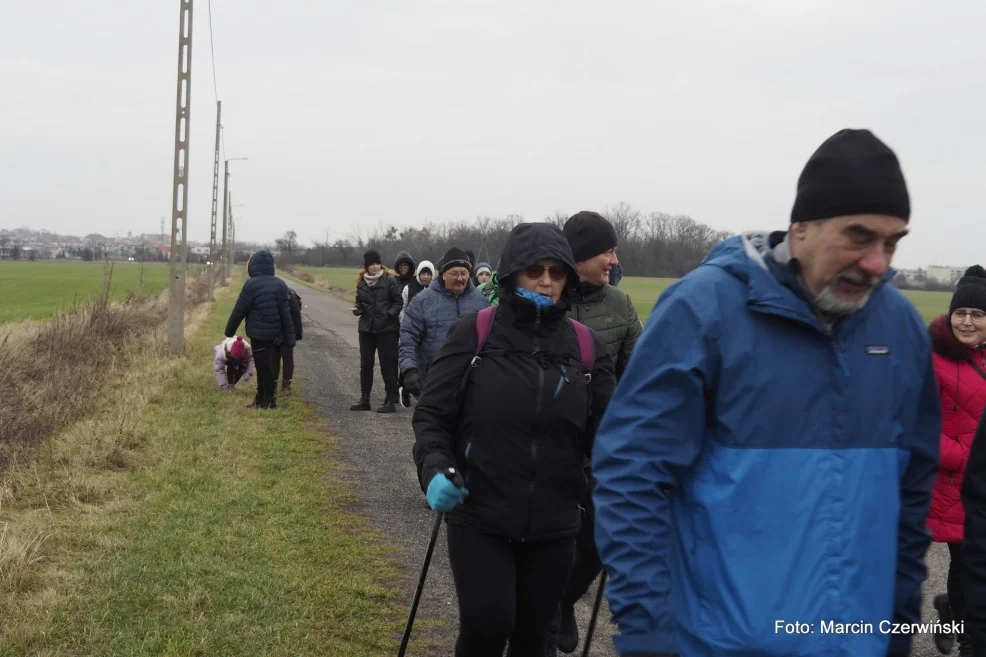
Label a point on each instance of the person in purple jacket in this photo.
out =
(233, 362)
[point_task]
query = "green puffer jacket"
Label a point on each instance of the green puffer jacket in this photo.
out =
(609, 312)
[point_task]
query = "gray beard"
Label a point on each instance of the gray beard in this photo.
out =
(829, 303)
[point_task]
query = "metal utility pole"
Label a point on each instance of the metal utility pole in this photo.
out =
(215, 205)
(179, 212)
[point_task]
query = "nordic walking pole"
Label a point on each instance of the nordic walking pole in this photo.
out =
(453, 475)
(595, 613)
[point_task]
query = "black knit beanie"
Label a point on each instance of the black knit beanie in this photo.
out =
(371, 257)
(589, 234)
(970, 292)
(454, 257)
(852, 172)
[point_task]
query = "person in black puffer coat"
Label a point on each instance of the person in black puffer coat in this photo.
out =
(264, 303)
(517, 426)
(404, 267)
(286, 355)
(378, 305)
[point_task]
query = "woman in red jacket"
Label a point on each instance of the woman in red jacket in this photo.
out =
(959, 353)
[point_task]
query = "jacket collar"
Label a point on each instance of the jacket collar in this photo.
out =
(775, 284)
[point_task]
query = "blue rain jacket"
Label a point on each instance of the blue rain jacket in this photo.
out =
(753, 467)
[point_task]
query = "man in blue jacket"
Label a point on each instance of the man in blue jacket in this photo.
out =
(428, 317)
(764, 469)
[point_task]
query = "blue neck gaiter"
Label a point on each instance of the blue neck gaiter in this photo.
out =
(537, 299)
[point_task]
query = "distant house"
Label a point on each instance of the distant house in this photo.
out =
(944, 275)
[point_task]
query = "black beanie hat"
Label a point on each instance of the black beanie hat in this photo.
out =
(371, 257)
(589, 234)
(454, 257)
(852, 172)
(970, 292)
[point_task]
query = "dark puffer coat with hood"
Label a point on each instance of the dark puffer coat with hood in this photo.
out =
(264, 303)
(519, 426)
(404, 281)
(962, 389)
(379, 304)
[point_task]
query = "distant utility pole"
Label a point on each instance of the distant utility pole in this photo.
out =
(215, 205)
(179, 212)
(226, 218)
(225, 267)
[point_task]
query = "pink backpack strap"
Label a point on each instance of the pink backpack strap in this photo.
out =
(587, 346)
(484, 324)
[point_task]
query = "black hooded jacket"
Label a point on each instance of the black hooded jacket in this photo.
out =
(520, 423)
(263, 301)
(408, 278)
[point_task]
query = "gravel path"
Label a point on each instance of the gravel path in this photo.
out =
(376, 452)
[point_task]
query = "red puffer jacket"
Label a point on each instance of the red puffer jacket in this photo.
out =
(962, 389)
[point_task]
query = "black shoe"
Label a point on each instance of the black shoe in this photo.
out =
(568, 631)
(362, 405)
(405, 398)
(944, 641)
(388, 405)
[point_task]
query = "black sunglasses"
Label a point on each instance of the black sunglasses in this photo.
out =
(557, 272)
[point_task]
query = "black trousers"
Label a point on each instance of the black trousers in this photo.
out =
(956, 598)
(285, 356)
(265, 355)
(587, 565)
(386, 344)
(235, 369)
(507, 591)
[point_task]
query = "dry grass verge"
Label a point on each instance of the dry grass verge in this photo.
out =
(58, 371)
(177, 522)
(72, 425)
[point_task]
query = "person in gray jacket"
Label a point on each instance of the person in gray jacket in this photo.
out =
(431, 312)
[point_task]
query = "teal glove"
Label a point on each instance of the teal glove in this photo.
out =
(443, 495)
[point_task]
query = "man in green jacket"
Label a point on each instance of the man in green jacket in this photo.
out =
(609, 312)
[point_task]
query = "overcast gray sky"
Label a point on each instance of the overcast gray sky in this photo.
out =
(357, 112)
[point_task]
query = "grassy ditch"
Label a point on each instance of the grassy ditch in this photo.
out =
(176, 521)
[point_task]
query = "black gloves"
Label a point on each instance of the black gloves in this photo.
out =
(411, 382)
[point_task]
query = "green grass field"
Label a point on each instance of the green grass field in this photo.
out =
(36, 290)
(643, 291)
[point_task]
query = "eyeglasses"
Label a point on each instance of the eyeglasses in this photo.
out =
(976, 315)
(557, 272)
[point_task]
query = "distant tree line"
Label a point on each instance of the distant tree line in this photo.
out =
(655, 244)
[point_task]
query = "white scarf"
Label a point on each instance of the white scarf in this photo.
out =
(372, 279)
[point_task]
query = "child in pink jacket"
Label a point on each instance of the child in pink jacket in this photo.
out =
(233, 363)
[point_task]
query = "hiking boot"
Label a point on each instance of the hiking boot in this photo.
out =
(568, 631)
(944, 641)
(286, 388)
(405, 398)
(362, 405)
(388, 404)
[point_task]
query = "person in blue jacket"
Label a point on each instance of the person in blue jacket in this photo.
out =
(764, 469)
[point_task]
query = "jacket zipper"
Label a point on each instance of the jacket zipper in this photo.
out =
(841, 356)
(534, 445)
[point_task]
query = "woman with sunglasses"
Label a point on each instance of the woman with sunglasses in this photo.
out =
(958, 341)
(515, 417)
